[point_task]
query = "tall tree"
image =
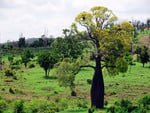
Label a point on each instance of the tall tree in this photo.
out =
(111, 43)
(21, 42)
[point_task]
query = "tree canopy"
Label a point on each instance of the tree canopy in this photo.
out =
(111, 40)
(47, 61)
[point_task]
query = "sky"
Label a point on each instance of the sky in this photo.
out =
(33, 18)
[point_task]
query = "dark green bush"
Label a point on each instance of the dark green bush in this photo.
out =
(31, 66)
(9, 73)
(14, 67)
(145, 101)
(19, 107)
(89, 81)
(125, 106)
(125, 103)
(3, 106)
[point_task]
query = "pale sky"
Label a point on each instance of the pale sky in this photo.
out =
(35, 17)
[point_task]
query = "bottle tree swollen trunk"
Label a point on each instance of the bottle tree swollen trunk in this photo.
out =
(97, 88)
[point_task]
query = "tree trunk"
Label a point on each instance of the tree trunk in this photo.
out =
(97, 88)
(143, 64)
(46, 74)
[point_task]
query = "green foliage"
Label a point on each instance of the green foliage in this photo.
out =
(129, 59)
(9, 73)
(82, 103)
(145, 102)
(143, 54)
(3, 105)
(19, 107)
(47, 61)
(39, 106)
(27, 56)
(10, 59)
(122, 65)
(69, 46)
(62, 104)
(112, 41)
(126, 106)
(66, 71)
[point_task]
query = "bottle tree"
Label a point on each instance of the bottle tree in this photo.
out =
(111, 41)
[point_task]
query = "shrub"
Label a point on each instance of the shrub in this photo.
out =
(16, 67)
(125, 103)
(62, 104)
(9, 73)
(82, 103)
(125, 106)
(19, 107)
(31, 66)
(17, 62)
(39, 106)
(3, 106)
(145, 102)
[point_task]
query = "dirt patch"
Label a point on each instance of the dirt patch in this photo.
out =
(145, 41)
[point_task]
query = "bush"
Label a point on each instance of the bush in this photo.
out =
(9, 73)
(16, 62)
(16, 67)
(145, 102)
(3, 106)
(62, 104)
(39, 106)
(82, 103)
(125, 103)
(31, 66)
(125, 106)
(19, 107)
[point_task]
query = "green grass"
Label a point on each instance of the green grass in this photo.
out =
(31, 85)
(142, 34)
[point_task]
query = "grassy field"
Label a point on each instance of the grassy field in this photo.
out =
(31, 86)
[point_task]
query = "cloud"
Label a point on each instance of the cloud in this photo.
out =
(31, 17)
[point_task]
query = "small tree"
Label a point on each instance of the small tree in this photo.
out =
(26, 57)
(143, 54)
(66, 72)
(47, 61)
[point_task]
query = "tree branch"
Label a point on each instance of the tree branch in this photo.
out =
(90, 66)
